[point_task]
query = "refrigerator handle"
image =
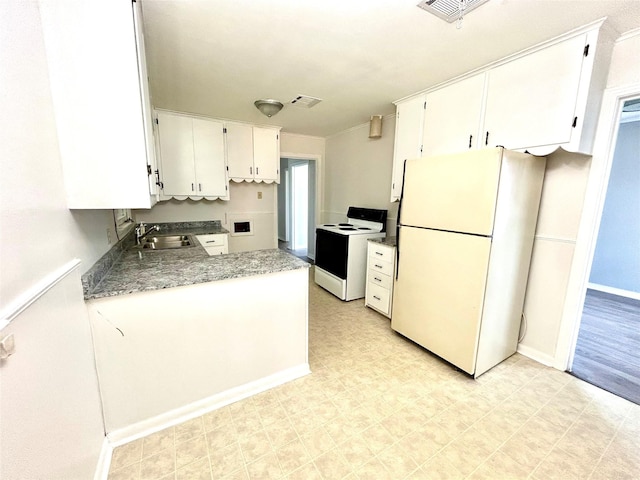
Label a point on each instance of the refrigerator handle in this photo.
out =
(398, 223)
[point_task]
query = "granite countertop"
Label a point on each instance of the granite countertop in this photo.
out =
(137, 270)
(391, 241)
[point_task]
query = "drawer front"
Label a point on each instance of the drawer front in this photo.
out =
(378, 298)
(378, 265)
(380, 279)
(380, 252)
(221, 250)
(215, 240)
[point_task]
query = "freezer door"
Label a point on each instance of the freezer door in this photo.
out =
(452, 192)
(439, 291)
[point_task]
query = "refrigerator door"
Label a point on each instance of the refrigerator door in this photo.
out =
(456, 193)
(439, 290)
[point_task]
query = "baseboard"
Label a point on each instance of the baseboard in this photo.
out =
(536, 355)
(104, 461)
(614, 291)
(206, 405)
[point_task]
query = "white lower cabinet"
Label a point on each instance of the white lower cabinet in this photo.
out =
(380, 270)
(214, 244)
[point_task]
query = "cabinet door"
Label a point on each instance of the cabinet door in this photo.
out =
(102, 149)
(452, 117)
(239, 151)
(176, 152)
(531, 101)
(266, 154)
(408, 141)
(208, 154)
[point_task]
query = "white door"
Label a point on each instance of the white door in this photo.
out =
(531, 101)
(452, 117)
(176, 152)
(240, 151)
(439, 291)
(208, 149)
(408, 141)
(266, 154)
(453, 192)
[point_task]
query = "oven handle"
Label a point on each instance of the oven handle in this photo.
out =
(399, 222)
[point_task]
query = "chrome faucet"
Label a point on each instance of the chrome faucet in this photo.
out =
(141, 231)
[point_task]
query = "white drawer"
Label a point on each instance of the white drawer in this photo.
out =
(378, 298)
(221, 250)
(378, 265)
(381, 252)
(213, 240)
(380, 279)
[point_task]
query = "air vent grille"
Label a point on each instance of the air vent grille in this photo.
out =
(448, 9)
(305, 101)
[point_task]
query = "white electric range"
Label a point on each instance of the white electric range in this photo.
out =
(341, 251)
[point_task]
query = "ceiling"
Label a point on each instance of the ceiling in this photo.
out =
(216, 57)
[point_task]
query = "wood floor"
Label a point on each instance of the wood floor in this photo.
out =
(608, 349)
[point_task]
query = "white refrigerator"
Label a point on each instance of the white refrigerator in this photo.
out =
(465, 235)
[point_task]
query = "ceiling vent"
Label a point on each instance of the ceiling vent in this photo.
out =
(450, 10)
(305, 101)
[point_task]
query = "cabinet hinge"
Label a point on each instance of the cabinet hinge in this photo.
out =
(224, 130)
(157, 121)
(148, 169)
(586, 50)
(575, 122)
(227, 168)
(424, 107)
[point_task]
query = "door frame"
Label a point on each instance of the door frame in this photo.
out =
(603, 150)
(317, 159)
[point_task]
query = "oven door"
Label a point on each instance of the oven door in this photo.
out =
(331, 252)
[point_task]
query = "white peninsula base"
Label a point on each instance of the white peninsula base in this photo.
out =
(166, 356)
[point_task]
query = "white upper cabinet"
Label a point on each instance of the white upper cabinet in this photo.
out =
(538, 100)
(531, 101)
(253, 153)
(100, 98)
(239, 151)
(408, 140)
(452, 117)
(192, 157)
(266, 154)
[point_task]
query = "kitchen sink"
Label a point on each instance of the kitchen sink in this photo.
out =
(162, 242)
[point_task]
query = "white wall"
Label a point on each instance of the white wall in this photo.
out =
(616, 260)
(358, 172)
(243, 204)
(51, 423)
(552, 304)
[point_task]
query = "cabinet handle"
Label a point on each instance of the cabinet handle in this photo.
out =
(192, 189)
(251, 170)
(377, 279)
(486, 140)
(377, 266)
(210, 241)
(470, 139)
(257, 170)
(376, 297)
(379, 253)
(200, 187)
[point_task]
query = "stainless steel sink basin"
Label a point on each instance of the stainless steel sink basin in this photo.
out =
(162, 242)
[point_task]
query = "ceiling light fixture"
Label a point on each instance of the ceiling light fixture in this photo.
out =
(269, 106)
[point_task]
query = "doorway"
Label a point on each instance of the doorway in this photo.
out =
(297, 206)
(607, 351)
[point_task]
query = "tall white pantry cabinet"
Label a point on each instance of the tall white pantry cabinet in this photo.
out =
(102, 107)
(540, 99)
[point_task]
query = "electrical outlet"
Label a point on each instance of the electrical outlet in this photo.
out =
(259, 195)
(108, 236)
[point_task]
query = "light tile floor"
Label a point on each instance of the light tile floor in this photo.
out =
(378, 407)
